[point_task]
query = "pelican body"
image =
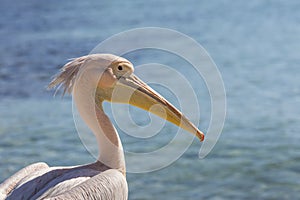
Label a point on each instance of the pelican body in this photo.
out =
(93, 79)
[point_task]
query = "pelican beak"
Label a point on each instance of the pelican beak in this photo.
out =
(132, 90)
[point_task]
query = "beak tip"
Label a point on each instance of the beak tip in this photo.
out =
(200, 135)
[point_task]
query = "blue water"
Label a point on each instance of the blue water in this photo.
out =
(255, 44)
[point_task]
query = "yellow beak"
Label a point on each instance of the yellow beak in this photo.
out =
(132, 90)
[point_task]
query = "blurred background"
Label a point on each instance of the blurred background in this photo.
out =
(255, 44)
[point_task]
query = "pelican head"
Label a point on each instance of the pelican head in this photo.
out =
(115, 81)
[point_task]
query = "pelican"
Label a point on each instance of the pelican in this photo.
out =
(93, 79)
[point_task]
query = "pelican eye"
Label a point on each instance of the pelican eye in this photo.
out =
(120, 68)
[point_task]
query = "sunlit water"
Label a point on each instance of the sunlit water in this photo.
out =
(255, 45)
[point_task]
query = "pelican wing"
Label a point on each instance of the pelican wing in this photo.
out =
(108, 185)
(38, 181)
(12, 182)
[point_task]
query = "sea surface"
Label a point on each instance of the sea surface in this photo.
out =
(255, 44)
